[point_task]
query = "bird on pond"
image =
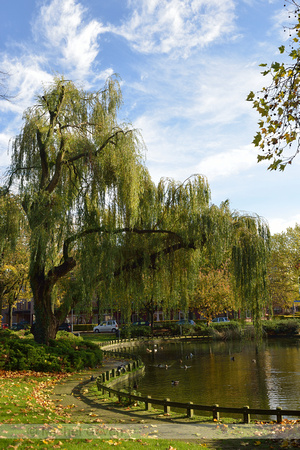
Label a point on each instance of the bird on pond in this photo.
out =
(163, 366)
(174, 383)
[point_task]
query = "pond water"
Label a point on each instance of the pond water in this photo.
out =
(225, 373)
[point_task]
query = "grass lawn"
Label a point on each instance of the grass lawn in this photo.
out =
(28, 414)
(98, 337)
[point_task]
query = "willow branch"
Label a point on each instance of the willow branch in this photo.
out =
(95, 230)
(99, 150)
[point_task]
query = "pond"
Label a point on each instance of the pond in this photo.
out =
(225, 373)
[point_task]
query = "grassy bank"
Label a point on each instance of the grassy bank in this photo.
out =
(39, 420)
(26, 405)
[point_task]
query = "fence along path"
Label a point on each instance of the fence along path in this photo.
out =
(105, 379)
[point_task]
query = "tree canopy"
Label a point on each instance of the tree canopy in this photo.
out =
(12, 222)
(98, 225)
(283, 268)
(278, 104)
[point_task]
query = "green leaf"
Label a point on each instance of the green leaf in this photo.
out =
(250, 96)
(275, 66)
(275, 164)
(257, 139)
(281, 48)
(260, 158)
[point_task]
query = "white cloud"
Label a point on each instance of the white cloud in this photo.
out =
(25, 78)
(176, 25)
(196, 114)
(228, 163)
(279, 225)
(103, 75)
(61, 24)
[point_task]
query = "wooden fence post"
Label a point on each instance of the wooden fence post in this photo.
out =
(216, 414)
(190, 411)
(148, 404)
(166, 406)
(279, 414)
(246, 414)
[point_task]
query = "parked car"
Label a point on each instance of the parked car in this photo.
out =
(186, 322)
(142, 323)
(108, 326)
(4, 325)
(64, 327)
(220, 319)
(20, 326)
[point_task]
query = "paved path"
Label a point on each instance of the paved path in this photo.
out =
(93, 411)
(73, 391)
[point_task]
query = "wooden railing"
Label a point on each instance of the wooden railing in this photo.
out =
(190, 407)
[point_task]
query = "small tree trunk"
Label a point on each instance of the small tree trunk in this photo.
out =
(10, 314)
(1, 307)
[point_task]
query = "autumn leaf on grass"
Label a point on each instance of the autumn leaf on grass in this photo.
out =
(257, 443)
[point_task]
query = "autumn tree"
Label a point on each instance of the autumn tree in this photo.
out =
(90, 204)
(214, 291)
(283, 268)
(278, 104)
(12, 223)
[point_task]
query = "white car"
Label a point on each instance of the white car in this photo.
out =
(220, 319)
(108, 326)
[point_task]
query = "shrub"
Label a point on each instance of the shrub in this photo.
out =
(128, 331)
(225, 330)
(64, 354)
(281, 327)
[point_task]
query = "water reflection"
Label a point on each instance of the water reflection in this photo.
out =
(229, 374)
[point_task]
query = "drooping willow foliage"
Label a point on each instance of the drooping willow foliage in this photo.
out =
(250, 253)
(99, 227)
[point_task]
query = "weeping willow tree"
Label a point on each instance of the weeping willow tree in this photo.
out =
(11, 224)
(95, 217)
(250, 254)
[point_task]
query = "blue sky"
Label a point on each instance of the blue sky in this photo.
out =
(186, 67)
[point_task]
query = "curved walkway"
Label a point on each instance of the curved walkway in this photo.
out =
(74, 393)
